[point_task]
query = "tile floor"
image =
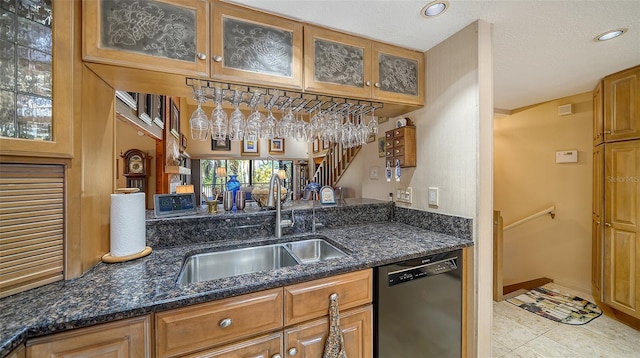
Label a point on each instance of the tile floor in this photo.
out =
(518, 333)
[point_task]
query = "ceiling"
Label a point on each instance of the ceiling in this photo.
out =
(542, 49)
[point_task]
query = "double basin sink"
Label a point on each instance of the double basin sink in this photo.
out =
(220, 264)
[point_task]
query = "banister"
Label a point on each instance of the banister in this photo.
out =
(551, 211)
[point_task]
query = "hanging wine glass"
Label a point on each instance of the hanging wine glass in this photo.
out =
(299, 132)
(219, 123)
(237, 124)
(199, 123)
(373, 124)
(268, 128)
(254, 123)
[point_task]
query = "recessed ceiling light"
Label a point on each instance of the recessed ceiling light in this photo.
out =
(435, 8)
(610, 34)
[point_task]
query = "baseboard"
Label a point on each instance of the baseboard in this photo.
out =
(527, 285)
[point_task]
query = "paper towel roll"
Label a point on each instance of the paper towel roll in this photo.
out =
(128, 231)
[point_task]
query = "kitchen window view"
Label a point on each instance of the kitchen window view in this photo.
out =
(250, 174)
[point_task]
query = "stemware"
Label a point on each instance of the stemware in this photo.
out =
(199, 123)
(254, 123)
(237, 124)
(219, 123)
(268, 128)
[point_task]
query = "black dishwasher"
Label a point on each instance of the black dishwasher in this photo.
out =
(418, 307)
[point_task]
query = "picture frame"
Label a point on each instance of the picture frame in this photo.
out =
(371, 138)
(174, 119)
(325, 144)
(382, 147)
(221, 144)
(383, 120)
(250, 146)
(183, 141)
(276, 146)
(316, 145)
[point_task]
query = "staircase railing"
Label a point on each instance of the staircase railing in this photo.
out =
(334, 164)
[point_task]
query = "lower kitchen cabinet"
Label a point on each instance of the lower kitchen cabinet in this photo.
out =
(127, 338)
(19, 352)
(269, 346)
(307, 340)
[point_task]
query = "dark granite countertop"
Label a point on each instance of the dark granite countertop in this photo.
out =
(110, 292)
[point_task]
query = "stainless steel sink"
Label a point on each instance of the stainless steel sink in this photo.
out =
(213, 265)
(314, 250)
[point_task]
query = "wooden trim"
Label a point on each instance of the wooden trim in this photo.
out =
(497, 256)
(527, 285)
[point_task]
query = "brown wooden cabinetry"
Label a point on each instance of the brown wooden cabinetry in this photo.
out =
(19, 352)
(622, 105)
(598, 115)
(401, 146)
(128, 338)
(252, 325)
(307, 340)
(597, 226)
(168, 35)
(622, 227)
(255, 48)
(345, 65)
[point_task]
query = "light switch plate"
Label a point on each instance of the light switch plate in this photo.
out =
(408, 195)
(433, 196)
(373, 173)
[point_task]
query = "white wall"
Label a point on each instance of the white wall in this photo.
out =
(454, 153)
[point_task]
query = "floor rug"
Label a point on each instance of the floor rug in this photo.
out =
(556, 306)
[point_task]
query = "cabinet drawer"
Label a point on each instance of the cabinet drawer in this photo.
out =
(398, 151)
(264, 346)
(388, 134)
(389, 152)
(203, 326)
(398, 142)
(310, 300)
(398, 132)
(389, 143)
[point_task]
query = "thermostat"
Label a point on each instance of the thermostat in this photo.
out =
(567, 156)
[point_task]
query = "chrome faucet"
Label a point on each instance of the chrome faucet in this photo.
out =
(314, 224)
(275, 181)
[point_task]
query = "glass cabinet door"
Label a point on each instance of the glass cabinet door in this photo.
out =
(26, 69)
(256, 48)
(337, 63)
(168, 35)
(399, 74)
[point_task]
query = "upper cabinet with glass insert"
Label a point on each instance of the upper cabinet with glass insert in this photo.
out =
(168, 35)
(345, 65)
(256, 48)
(27, 71)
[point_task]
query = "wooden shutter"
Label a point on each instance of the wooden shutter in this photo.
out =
(31, 226)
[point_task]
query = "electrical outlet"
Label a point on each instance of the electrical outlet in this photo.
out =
(399, 195)
(433, 196)
(408, 195)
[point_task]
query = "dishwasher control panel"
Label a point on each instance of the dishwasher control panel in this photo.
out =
(416, 272)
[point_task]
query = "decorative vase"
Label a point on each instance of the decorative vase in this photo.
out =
(233, 185)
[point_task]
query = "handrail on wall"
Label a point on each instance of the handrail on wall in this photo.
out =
(551, 211)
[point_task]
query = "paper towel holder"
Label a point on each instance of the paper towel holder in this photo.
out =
(110, 259)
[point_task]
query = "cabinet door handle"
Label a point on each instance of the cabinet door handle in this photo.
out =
(225, 323)
(217, 58)
(293, 351)
(201, 56)
(607, 132)
(607, 224)
(376, 85)
(368, 83)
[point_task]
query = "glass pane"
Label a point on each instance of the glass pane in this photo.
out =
(7, 112)
(34, 117)
(262, 170)
(7, 66)
(34, 35)
(34, 72)
(37, 10)
(7, 25)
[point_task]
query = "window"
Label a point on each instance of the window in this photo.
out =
(26, 69)
(249, 173)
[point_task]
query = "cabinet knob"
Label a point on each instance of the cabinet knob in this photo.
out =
(598, 222)
(377, 84)
(277, 355)
(225, 323)
(368, 83)
(607, 224)
(201, 56)
(217, 58)
(293, 351)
